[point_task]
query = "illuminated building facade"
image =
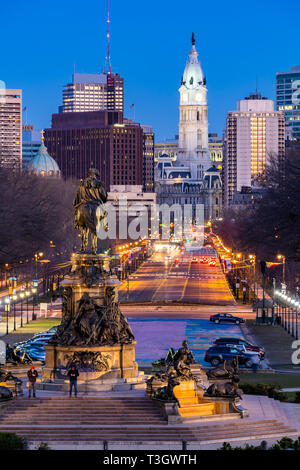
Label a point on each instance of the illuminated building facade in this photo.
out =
(253, 134)
(11, 129)
(97, 139)
(31, 143)
(169, 147)
(92, 92)
(288, 100)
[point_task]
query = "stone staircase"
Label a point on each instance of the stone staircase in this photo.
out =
(79, 411)
(62, 421)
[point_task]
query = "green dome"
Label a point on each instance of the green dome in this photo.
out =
(43, 165)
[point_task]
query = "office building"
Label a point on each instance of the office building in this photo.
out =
(288, 100)
(254, 133)
(97, 139)
(11, 129)
(31, 142)
(93, 92)
(148, 158)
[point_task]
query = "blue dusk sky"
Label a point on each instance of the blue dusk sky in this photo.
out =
(237, 41)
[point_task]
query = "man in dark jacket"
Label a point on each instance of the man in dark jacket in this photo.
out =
(73, 374)
(32, 376)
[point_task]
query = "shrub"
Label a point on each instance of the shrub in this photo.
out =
(43, 446)
(284, 444)
(10, 441)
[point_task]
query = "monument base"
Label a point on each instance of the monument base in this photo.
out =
(94, 362)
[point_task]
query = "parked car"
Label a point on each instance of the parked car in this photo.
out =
(237, 341)
(34, 347)
(218, 354)
(226, 317)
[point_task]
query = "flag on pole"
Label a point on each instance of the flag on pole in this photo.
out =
(132, 106)
(25, 109)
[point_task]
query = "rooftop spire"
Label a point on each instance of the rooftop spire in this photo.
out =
(107, 59)
(193, 39)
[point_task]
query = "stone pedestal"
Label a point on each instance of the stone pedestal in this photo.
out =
(89, 273)
(116, 361)
(94, 334)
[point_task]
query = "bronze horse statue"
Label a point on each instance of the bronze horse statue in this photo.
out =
(89, 209)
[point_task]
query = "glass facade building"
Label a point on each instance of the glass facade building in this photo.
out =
(288, 100)
(93, 92)
(31, 143)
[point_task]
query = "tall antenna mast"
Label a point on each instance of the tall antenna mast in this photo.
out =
(107, 61)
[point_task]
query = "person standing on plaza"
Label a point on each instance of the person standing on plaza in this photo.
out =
(73, 374)
(255, 360)
(32, 376)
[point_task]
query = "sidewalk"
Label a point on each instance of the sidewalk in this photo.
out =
(276, 341)
(28, 330)
(54, 311)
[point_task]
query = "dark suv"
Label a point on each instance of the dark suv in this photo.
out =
(218, 354)
(240, 341)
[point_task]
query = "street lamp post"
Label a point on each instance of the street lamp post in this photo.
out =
(33, 300)
(15, 299)
(7, 309)
(252, 259)
(27, 299)
(22, 297)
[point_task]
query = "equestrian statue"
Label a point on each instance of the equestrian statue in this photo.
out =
(89, 210)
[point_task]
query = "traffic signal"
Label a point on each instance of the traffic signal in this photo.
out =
(263, 266)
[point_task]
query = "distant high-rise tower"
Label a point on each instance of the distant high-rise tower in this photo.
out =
(93, 92)
(11, 128)
(288, 99)
(253, 134)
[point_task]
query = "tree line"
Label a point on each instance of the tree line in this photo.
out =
(271, 225)
(34, 212)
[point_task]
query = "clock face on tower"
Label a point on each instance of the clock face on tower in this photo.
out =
(184, 97)
(198, 97)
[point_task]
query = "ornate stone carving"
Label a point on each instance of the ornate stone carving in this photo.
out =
(89, 361)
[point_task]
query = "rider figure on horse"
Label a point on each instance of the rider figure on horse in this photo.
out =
(89, 208)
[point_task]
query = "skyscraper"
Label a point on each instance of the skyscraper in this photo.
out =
(93, 92)
(11, 128)
(148, 158)
(97, 139)
(288, 99)
(253, 133)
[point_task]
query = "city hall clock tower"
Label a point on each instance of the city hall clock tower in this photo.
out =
(193, 125)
